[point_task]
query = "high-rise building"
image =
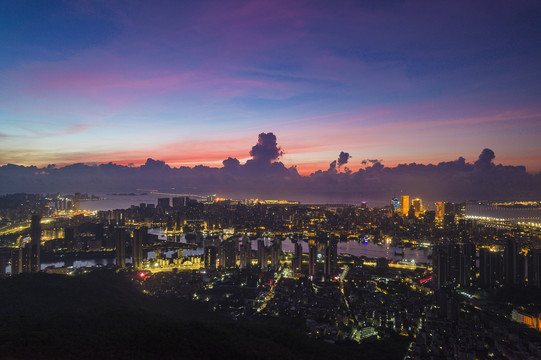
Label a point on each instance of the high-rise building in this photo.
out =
(395, 204)
(17, 261)
(404, 205)
(513, 264)
(276, 252)
(137, 248)
(210, 257)
(35, 243)
(76, 201)
(331, 260)
(490, 268)
(297, 258)
(262, 260)
(417, 205)
(441, 266)
(245, 258)
(120, 247)
(466, 266)
(163, 203)
(3, 264)
(534, 268)
(228, 254)
(312, 258)
(180, 202)
(440, 211)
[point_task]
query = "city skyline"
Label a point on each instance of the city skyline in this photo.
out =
(193, 84)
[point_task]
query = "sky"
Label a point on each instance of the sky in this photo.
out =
(196, 82)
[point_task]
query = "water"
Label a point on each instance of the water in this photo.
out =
(112, 202)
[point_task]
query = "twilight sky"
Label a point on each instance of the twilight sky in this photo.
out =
(195, 82)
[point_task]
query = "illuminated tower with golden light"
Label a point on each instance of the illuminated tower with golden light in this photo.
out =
(405, 204)
(417, 206)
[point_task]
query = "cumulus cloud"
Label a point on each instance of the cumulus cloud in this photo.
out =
(265, 176)
(343, 158)
(231, 163)
(485, 160)
(266, 150)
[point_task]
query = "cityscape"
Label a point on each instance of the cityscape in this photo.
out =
(458, 281)
(250, 179)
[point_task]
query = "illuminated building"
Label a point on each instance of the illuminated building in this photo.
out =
(35, 243)
(137, 248)
(76, 201)
(312, 258)
(417, 206)
(404, 205)
(120, 247)
(440, 211)
(331, 260)
(210, 257)
(395, 204)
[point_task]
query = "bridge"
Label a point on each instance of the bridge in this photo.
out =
(156, 192)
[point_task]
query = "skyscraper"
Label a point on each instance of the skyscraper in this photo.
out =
(245, 253)
(228, 254)
(417, 206)
(76, 201)
(276, 252)
(35, 243)
(17, 261)
(210, 257)
(440, 211)
(331, 260)
(490, 268)
(404, 205)
(466, 267)
(120, 247)
(297, 258)
(312, 258)
(137, 248)
(440, 265)
(262, 260)
(163, 203)
(534, 268)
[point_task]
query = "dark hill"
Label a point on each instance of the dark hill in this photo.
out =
(103, 316)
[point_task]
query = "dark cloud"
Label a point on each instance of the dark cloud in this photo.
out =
(265, 177)
(154, 164)
(485, 160)
(266, 150)
(343, 158)
(231, 163)
(371, 161)
(332, 166)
